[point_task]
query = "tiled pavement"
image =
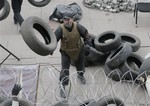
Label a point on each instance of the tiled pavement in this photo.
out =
(96, 22)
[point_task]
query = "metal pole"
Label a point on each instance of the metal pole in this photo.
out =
(5, 59)
(9, 52)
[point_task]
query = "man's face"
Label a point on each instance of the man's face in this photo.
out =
(68, 22)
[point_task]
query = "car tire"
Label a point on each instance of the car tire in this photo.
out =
(132, 40)
(106, 100)
(6, 10)
(30, 38)
(39, 4)
(103, 44)
(130, 70)
(114, 74)
(118, 56)
(96, 56)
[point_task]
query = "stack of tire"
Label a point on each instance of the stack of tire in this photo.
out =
(122, 62)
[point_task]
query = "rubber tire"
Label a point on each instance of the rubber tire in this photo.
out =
(118, 56)
(132, 40)
(39, 4)
(27, 32)
(104, 101)
(8, 102)
(114, 74)
(103, 46)
(126, 68)
(144, 70)
(6, 10)
(96, 56)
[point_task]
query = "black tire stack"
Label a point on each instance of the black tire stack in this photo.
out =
(122, 62)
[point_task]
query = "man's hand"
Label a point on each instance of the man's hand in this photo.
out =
(90, 42)
(16, 89)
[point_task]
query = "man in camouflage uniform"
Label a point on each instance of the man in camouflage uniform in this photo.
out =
(71, 49)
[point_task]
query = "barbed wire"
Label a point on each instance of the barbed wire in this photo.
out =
(41, 87)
